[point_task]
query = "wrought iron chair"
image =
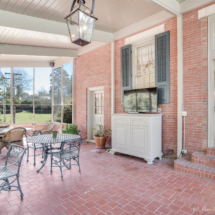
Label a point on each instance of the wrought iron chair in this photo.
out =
(34, 146)
(14, 135)
(69, 150)
(13, 158)
(47, 129)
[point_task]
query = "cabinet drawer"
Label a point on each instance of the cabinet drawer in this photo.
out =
(120, 121)
(139, 122)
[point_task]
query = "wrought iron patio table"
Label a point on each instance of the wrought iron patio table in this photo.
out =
(47, 140)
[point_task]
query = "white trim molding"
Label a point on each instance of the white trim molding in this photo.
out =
(144, 35)
(171, 6)
(211, 58)
(189, 5)
(179, 83)
(90, 47)
(113, 77)
(207, 11)
(16, 64)
(142, 25)
(36, 51)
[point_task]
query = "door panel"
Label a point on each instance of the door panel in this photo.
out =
(139, 139)
(98, 110)
(121, 137)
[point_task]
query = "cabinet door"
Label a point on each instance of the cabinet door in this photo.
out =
(120, 137)
(139, 140)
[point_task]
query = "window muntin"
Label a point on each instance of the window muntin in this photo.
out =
(99, 103)
(144, 65)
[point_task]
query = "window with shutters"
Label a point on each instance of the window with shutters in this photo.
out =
(144, 65)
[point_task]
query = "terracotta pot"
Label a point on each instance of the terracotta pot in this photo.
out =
(100, 142)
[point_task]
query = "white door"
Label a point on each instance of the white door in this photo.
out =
(98, 110)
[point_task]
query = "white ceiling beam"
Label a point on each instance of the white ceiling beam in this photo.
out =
(171, 6)
(142, 25)
(5, 64)
(36, 51)
(62, 61)
(20, 21)
(90, 47)
(190, 5)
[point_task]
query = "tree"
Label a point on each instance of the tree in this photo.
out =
(22, 83)
(67, 86)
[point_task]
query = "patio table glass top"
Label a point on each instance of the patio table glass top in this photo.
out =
(48, 138)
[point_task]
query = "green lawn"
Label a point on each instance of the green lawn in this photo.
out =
(27, 117)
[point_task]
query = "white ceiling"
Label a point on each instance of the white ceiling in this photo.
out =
(34, 38)
(112, 15)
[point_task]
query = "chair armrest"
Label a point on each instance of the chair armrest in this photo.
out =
(46, 132)
(36, 130)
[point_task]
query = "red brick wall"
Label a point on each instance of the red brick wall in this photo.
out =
(169, 111)
(196, 80)
(93, 69)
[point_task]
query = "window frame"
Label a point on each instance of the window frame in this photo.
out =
(145, 42)
(52, 105)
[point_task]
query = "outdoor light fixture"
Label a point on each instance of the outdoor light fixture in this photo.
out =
(81, 23)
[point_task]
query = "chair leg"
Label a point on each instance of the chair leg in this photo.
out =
(8, 183)
(43, 153)
(61, 168)
(79, 164)
(70, 163)
(34, 156)
(19, 187)
(51, 162)
(27, 153)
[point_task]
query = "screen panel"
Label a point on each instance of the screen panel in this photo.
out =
(130, 101)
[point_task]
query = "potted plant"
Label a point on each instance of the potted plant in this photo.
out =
(71, 129)
(100, 136)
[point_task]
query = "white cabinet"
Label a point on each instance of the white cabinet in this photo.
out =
(138, 135)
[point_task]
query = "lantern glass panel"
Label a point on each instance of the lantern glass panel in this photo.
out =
(86, 26)
(73, 25)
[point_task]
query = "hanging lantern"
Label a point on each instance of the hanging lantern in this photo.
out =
(81, 23)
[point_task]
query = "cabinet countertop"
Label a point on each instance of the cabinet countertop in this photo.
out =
(136, 114)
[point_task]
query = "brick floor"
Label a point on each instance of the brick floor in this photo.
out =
(109, 184)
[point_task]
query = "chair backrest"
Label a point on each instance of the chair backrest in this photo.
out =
(15, 134)
(71, 145)
(15, 155)
(48, 127)
(4, 125)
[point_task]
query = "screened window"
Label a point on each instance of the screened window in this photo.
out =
(144, 65)
(43, 95)
(38, 94)
(5, 83)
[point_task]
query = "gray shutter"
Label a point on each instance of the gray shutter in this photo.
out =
(162, 67)
(126, 75)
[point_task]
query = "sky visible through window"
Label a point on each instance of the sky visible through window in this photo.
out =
(42, 76)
